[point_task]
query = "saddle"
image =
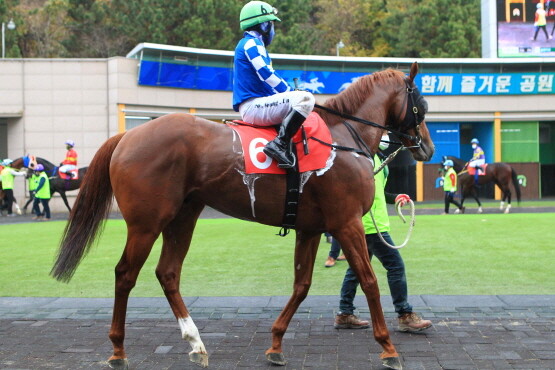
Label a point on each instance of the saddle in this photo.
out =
(66, 176)
(312, 154)
(472, 170)
(309, 147)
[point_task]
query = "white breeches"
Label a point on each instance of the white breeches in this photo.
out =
(271, 110)
(477, 163)
(67, 167)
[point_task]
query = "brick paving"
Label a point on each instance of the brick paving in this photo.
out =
(469, 332)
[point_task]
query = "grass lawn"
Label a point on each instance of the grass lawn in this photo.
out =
(454, 254)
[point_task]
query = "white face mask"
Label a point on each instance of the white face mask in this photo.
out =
(474, 146)
(384, 146)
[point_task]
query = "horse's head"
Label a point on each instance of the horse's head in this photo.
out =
(30, 161)
(411, 123)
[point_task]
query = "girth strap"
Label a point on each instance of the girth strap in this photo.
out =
(292, 193)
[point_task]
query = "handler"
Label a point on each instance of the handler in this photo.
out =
(390, 258)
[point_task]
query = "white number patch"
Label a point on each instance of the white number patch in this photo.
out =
(255, 151)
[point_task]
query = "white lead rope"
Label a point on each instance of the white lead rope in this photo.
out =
(411, 225)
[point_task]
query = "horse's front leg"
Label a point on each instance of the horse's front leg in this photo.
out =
(353, 243)
(306, 247)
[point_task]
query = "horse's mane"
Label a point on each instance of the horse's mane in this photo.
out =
(349, 100)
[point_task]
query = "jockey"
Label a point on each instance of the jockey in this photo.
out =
(70, 163)
(478, 158)
(260, 95)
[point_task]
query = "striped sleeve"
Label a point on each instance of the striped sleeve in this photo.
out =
(258, 57)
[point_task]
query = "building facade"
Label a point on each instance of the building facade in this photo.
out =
(508, 104)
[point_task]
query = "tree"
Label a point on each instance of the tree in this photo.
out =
(433, 28)
(42, 32)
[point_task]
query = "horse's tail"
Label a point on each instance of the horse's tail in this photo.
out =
(516, 184)
(91, 207)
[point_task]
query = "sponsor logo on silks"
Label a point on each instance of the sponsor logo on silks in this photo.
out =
(521, 180)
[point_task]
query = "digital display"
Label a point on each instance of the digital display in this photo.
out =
(525, 28)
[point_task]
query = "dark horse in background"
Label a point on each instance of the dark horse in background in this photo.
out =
(57, 184)
(163, 174)
(501, 174)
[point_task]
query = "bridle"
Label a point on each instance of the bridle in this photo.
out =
(413, 118)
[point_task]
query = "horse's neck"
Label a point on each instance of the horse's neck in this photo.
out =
(48, 166)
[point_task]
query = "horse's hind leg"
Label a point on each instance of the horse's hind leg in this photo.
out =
(177, 238)
(138, 246)
(305, 255)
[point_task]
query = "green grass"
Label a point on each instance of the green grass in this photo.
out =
(455, 254)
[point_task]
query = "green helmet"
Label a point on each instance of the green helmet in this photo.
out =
(256, 12)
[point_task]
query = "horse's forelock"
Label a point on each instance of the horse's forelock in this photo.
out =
(352, 98)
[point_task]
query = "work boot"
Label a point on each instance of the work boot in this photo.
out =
(330, 262)
(280, 148)
(346, 321)
(412, 322)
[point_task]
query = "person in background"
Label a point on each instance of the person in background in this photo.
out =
(478, 158)
(450, 187)
(260, 95)
(408, 320)
(334, 256)
(540, 22)
(32, 184)
(42, 193)
(70, 162)
(7, 176)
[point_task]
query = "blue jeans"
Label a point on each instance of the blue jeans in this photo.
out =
(393, 262)
(334, 249)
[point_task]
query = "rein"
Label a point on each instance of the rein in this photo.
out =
(369, 123)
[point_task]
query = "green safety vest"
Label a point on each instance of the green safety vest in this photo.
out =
(7, 178)
(379, 207)
(33, 182)
(447, 180)
(44, 192)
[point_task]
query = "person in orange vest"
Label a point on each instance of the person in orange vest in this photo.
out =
(70, 162)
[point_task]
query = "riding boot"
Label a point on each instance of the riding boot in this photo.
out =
(280, 148)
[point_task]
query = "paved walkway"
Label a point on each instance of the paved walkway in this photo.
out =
(469, 332)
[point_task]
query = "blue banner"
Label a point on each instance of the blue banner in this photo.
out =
(322, 82)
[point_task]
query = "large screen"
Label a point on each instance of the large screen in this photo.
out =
(525, 28)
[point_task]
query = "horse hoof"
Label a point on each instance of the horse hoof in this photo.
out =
(276, 358)
(200, 359)
(119, 364)
(506, 210)
(392, 363)
(480, 210)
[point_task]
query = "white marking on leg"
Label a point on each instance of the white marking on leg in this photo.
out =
(190, 333)
(501, 205)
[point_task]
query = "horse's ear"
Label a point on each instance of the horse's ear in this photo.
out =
(413, 71)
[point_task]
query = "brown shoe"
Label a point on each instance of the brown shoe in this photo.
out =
(342, 258)
(412, 322)
(330, 262)
(350, 322)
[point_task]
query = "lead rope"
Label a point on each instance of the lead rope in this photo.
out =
(400, 213)
(397, 208)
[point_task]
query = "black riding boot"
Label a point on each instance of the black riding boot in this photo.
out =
(280, 148)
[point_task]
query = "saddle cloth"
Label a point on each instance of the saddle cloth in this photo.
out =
(254, 138)
(65, 176)
(472, 170)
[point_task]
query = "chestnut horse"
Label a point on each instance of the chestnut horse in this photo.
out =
(164, 172)
(501, 174)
